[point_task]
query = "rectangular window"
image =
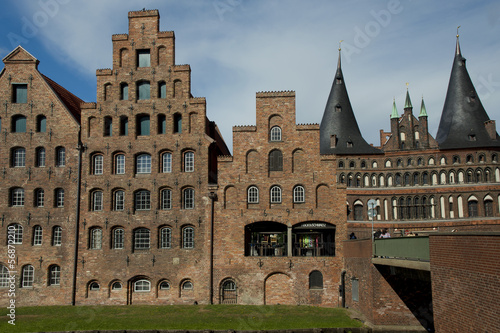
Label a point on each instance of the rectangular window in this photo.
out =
(189, 161)
(60, 157)
(18, 197)
(20, 93)
(166, 199)
(118, 239)
(167, 162)
(98, 164)
(37, 236)
(120, 164)
(98, 201)
(355, 290)
(143, 200)
(141, 239)
(60, 198)
(123, 126)
(143, 58)
(119, 200)
(40, 157)
(188, 198)
(55, 276)
(19, 157)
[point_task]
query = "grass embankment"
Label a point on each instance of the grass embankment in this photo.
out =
(214, 317)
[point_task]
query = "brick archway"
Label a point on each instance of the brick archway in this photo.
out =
(279, 290)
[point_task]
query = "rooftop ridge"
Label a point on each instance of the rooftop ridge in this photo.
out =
(275, 93)
(144, 12)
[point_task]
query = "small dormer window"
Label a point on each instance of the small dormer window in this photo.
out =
(349, 144)
(472, 137)
(333, 141)
(339, 79)
(338, 108)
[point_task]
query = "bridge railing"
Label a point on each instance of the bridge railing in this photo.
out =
(408, 248)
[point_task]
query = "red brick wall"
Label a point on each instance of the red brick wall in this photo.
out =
(465, 281)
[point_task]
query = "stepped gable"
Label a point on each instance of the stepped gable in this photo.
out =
(464, 121)
(339, 131)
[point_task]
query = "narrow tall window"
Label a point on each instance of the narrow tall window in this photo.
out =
(141, 239)
(41, 124)
(177, 123)
(39, 197)
(19, 158)
(473, 208)
(98, 164)
(123, 125)
(27, 276)
(120, 164)
(188, 198)
(143, 163)
(19, 93)
(18, 233)
(124, 91)
(97, 202)
(162, 124)
(54, 275)
(17, 197)
(18, 124)
(316, 280)
(253, 195)
(143, 90)
(188, 238)
(275, 134)
(143, 125)
(37, 235)
(40, 157)
(143, 200)
(165, 238)
(60, 157)
(56, 236)
(166, 199)
(167, 162)
(118, 238)
(4, 277)
(275, 194)
(59, 198)
(108, 126)
(95, 239)
(189, 161)
(119, 202)
(299, 194)
(162, 90)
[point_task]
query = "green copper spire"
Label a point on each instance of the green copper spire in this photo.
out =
(408, 100)
(394, 113)
(423, 111)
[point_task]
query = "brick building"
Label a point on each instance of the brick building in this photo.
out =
(136, 199)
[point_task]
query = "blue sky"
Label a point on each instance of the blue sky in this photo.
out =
(239, 47)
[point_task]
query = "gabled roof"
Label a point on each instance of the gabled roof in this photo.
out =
(339, 121)
(20, 55)
(69, 100)
(463, 119)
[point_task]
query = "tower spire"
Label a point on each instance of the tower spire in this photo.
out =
(457, 49)
(407, 100)
(394, 113)
(423, 111)
(340, 49)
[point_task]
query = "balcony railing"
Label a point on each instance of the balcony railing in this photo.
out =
(265, 249)
(321, 249)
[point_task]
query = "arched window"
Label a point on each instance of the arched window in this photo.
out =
(94, 286)
(358, 211)
(95, 239)
(141, 238)
(488, 206)
(253, 195)
(177, 123)
(142, 200)
(119, 164)
(118, 238)
(123, 125)
(228, 292)
(17, 197)
(275, 195)
(341, 165)
(97, 164)
(54, 275)
(116, 286)
(142, 286)
(18, 124)
(162, 124)
(315, 280)
(276, 160)
(97, 201)
(39, 197)
(4, 277)
(472, 205)
(59, 198)
(143, 90)
(41, 124)
(40, 157)
(189, 161)
(56, 236)
(166, 199)
(27, 276)
(123, 91)
(60, 157)
(275, 133)
(164, 285)
(188, 237)
(165, 238)
(108, 126)
(119, 200)
(188, 198)
(19, 157)
(37, 235)
(17, 230)
(299, 194)
(166, 159)
(142, 127)
(162, 89)
(187, 285)
(143, 163)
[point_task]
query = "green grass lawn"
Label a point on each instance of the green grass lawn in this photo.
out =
(189, 317)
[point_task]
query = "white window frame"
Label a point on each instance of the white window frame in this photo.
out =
(142, 239)
(165, 238)
(188, 198)
(54, 275)
(167, 162)
(275, 194)
(118, 238)
(19, 159)
(18, 233)
(142, 200)
(275, 133)
(143, 163)
(28, 276)
(189, 161)
(97, 201)
(253, 195)
(98, 164)
(37, 235)
(40, 157)
(120, 164)
(4, 277)
(17, 197)
(60, 198)
(57, 236)
(60, 157)
(39, 197)
(166, 199)
(142, 286)
(299, 194)
(96, 238)
(188, 238)
(119, 200)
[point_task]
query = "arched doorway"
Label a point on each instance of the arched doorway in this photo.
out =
(279, 290)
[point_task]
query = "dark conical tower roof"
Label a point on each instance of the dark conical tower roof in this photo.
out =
(463, 119)
(339, 131)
